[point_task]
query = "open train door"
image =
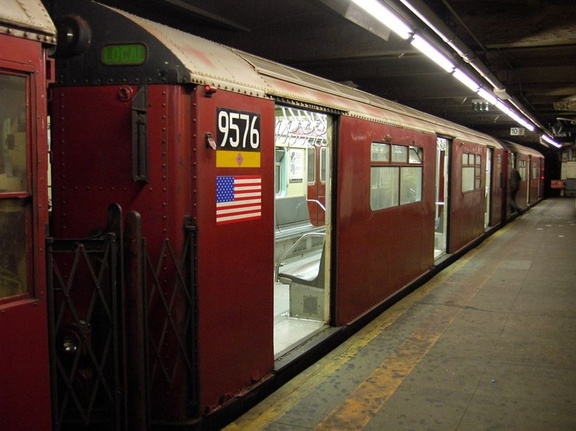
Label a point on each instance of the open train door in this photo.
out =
(302, 225)
(488, 187)
(442, 181)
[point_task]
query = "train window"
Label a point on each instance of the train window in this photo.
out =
(323, 163)
(13, 268)
(279, 178)
(14, 208)
(13, 167)
(415, 155)
(380, 152)
(410, 185)
(311, 165)
(471, 172)
(523, 169)
(390, 185)
(399, 153)
(384, 187)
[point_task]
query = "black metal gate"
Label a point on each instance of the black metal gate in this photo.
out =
(85, 332)
(122, 327)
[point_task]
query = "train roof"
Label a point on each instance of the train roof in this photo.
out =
(227, 68)
(27, 19)
(196, 60)
(515, 148)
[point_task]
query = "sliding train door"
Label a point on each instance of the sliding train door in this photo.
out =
(442, 181)
(302, 225)
(488, 187)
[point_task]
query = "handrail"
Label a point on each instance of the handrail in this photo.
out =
(291, 249)
(320, 204)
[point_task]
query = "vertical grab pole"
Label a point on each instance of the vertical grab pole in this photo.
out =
(136, 352)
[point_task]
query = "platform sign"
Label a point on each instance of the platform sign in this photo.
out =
(238, 139)
(517, 131)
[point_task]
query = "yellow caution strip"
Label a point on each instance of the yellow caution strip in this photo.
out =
(292, 393)
(371, 395)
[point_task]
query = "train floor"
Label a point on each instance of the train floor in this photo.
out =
(489, 343)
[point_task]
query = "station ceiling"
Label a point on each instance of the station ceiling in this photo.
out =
(527, 46)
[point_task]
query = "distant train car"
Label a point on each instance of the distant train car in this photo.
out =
(213, 210)
(530, 165)
(26, 35)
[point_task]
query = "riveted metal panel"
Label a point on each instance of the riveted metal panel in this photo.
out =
(27, 19)
(207, 62)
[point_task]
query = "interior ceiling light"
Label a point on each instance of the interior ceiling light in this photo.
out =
(386, 17)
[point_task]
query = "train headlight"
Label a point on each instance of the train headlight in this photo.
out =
(74, 36)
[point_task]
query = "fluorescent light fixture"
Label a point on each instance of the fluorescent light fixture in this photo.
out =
(466, 80)
(551, 141)
(435, 29)
(500, 105)
(521, 120)
(432, 53)
(514, 116)
(489, 97)
(386, 17)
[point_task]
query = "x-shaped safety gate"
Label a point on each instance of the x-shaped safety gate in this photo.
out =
(122, 329)
(85, 346)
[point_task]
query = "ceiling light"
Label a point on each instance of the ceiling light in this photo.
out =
(466, 80)
(386, 17)
(500, 105)
(489, 97)
(551, 141)
(432, 53)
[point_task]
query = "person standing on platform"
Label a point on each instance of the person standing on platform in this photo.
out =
(515, 179)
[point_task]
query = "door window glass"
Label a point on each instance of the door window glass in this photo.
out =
(13, 171)
(14, 206)
(13, 269)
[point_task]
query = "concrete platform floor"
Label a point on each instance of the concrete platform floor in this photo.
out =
(488, 344)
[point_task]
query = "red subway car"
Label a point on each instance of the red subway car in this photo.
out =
(26, 37)
(216, 214)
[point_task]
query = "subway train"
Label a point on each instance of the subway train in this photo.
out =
(219, 220)
(27, 37)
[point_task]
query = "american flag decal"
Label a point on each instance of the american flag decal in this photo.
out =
(238, 198)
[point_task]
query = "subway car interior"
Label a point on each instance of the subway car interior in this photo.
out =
(302, 214)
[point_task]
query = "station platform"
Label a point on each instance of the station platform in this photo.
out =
(487, 344)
